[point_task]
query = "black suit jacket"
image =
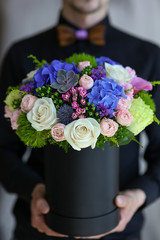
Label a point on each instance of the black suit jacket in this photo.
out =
(20, 178)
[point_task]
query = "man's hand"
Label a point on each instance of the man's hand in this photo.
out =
(40, 207)
(128, 203)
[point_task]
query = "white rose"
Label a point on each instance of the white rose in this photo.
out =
(43, 114)
(82, 133)
(118, 73)
(29, 77)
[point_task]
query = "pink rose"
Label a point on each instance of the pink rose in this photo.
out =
(86, 82)
(27, 103)
(140, 84)
(123, 104)
(57, 132)
(131, 71)
(108, 127)
(14, 119)
(124, 117)
(83, 65)
(7, 113)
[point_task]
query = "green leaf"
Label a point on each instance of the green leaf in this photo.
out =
(76, 58)
(38, 64)
(29, 135)
(126, 139)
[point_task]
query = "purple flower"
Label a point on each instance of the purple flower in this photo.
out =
(107, 92)
(102, 60)
(65, 114)
(48, 73)
(98, 73)
(103, 110)
(27, 88)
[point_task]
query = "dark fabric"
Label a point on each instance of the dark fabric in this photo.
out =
(20, 178)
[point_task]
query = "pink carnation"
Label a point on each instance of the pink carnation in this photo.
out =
(83, 101)
(75, 105)
(82, 116)
(7, 112)
(66, 96)
(28, 102)
(86, 82)
(14, 119)
(78, 111)
(140, 84)
(124, 117)
(74, 115)
(108, 127)
(57, 132)
(131, 71)
(83, 65)
(83, 93)
(123, 104)
(130, 95)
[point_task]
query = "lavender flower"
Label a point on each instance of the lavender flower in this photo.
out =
(104, 111)
(65, 114)
(98, 73)
(27, 88)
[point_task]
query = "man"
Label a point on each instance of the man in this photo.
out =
(27, 179)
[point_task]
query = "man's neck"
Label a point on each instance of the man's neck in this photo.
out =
(83, 21)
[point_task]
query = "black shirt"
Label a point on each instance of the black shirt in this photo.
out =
(20, 178)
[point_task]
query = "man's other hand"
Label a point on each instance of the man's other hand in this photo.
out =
(40, 207)
(128, 203)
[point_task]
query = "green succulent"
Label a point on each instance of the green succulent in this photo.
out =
(65, 80)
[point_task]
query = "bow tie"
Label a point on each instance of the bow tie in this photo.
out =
(67, 35)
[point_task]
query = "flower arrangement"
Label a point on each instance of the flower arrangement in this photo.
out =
(80, 102)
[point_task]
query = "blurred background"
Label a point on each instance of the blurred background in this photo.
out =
(20, 19)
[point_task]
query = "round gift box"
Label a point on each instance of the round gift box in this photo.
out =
(81, 187)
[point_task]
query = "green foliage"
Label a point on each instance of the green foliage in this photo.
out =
(91, 111)
(154, 83)
(29, 135)
(123, 135)
(147, 98)
(10, 89)
(156, 119)
(47, 91)
(102, 139)
(38, 64)
(64, 144)
(76, 58)
(87, 70)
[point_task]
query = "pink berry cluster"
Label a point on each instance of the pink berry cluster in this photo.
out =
(76, 97)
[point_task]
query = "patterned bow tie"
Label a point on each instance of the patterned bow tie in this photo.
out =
(67, 35)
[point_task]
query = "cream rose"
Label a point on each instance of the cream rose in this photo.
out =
(82, 133)
(118, 73)
(43, 114)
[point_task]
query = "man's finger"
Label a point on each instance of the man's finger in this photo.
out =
(121, 201)
(42, 206)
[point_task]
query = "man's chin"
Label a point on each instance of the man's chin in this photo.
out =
(87, 7)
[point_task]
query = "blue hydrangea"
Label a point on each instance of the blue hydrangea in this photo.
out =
(101, 60)
(107, 92)
(48, 74)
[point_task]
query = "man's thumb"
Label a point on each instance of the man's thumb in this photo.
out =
(43, 206)
(121, 201)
